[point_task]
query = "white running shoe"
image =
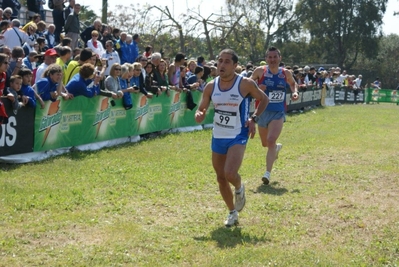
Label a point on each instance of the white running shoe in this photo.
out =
(279, 146)
(240, 199)
(232, 219)
(266, 178)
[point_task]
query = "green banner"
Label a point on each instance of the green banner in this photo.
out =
(88, 120)
(382, 95)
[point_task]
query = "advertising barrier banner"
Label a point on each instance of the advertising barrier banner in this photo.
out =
(343, 94)
(382, 95)
(87, 120)
(16, 137)
(81, 121)
(310, 97)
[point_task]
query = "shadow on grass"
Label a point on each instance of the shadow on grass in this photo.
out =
(272, 189)
(9, 166)
(231, 237)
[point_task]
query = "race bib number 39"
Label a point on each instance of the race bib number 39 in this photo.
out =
(276, 96)
(225, 119)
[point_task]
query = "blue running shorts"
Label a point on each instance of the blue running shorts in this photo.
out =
(221, 145)
(267, 116)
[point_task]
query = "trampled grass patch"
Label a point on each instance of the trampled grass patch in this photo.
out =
(332, 200)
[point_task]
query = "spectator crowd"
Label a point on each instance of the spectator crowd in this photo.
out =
(41, 62)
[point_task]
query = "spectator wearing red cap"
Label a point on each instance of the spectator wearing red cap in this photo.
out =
(50, 56)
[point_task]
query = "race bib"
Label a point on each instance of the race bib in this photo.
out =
(225, 119)
(276, 96)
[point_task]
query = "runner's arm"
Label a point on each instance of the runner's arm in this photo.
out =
(204, 104)
(291, 81)
(254, 91)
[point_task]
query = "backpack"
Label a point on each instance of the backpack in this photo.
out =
(51, 4)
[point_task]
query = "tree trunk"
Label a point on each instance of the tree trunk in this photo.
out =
(104, 12)
(208, 39)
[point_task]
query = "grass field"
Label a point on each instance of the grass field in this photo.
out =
(333, 200)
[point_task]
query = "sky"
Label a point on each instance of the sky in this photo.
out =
(206, 7)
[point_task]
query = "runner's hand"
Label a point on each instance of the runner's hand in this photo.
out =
(200, 115)
(252, 128)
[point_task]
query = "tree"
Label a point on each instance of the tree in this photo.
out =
(385, 63)
(341, 29)
(131, 21)
(218, 24)
(167, 20)
(87, 15)
(264, 21)
(104, 11)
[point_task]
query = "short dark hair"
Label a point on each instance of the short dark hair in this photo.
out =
(198, 69)
(24, 71)
(231, 52)
(85, 54)
(135, 36)
(65, 50)
(15, 77)
(40, 40)
(180, 56)
(53, 68)
(271, 49)
(17, 52)
(86, 70)
(4, 23)
(36, 16)
(200, 59)
(66, 41)
(3, 57)
(207, 71)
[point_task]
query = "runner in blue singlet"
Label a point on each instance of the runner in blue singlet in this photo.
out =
(273, 80)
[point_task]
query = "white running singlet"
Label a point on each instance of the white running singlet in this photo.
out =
(231, 110)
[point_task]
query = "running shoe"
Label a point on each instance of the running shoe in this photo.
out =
(266, 178)
(232, 219)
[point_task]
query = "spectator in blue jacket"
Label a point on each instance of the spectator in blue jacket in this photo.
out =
(50, 36)
(122, 48)
(135, 46)
(30, 60)
(130, 55)
(51, 83)
(28, 94)
(85, 83)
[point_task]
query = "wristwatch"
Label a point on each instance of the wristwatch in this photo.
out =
(255, 118)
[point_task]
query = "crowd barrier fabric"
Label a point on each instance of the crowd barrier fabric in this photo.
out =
(83, 121)
(343, 95)
(95, 123)
(16, 137)
(310, 97)
(382, 95)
